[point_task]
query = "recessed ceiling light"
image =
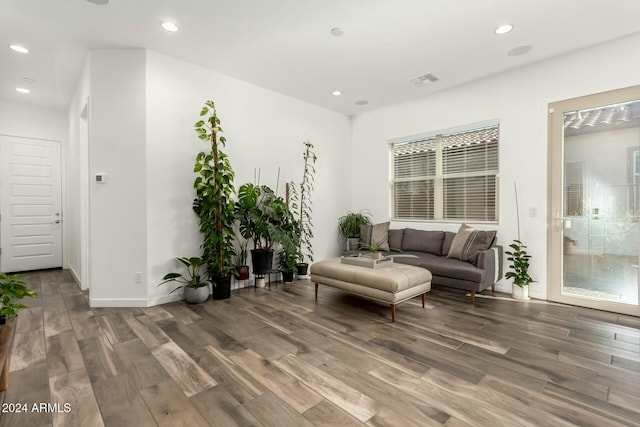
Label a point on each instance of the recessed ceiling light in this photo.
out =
(520, 50)
(362, 102)
(18, 48)
(170, 26)
(336, 93)
(503, 29)
(99, 2)
(22, 90)
(337, 32)
(29, 80)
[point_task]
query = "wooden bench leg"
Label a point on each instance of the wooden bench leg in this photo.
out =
(493, 287)
(316, 291)
(423, 298)
(393, 313)
(473, 297)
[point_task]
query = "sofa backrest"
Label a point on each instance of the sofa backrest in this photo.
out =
(395, 239)
(423, 241)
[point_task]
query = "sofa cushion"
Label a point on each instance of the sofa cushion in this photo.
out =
(422, 241)
(443, 267)
(469, 242)
(375, 234)
(395, 239)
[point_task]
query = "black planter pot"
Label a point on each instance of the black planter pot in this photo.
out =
(222, 287)
(262, 261)
(3, 319)
(302, 268)
(287, 276)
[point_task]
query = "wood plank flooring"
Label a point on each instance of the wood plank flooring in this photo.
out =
(279, 358)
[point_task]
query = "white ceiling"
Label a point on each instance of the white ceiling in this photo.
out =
(286, 45)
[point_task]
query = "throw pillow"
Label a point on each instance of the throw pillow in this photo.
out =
(365, 234)
(469, 242)
(375, 234)
(380, 235)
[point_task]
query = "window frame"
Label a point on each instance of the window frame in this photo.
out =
(439, 177)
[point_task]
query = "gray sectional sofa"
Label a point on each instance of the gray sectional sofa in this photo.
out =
(481, 270)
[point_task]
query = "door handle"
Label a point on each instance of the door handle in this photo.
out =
(57, 221)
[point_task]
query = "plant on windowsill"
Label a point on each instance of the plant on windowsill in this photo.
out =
(194, 281)
(214, 202)
(349, 227)
(12, 291)
(519, 262)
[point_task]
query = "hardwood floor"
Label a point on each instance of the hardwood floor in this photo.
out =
(279, 358)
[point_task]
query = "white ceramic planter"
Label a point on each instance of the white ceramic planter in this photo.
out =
(521, 293)
(196, 295)
(260, 282)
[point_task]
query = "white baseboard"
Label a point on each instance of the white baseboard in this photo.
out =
(75, 276)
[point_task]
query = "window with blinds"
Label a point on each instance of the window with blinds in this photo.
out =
(447, 177)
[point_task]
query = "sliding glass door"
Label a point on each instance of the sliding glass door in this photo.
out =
(594, 233)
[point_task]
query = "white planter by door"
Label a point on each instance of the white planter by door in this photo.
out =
(521, 293)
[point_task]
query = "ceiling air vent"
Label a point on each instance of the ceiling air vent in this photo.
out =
(424, 79)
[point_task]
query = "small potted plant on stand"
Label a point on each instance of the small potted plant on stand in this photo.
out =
(214, 203)
(195, 283)
(519, 262)
(240, 264)
(349, 227)
(12, 291)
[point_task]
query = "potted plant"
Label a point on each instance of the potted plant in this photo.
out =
(240, 264)
(304, 210)
(214, 203)
(288, 256)
(195, 282)
(12, 291)
(349, 227)
(374, 248)
(519, 262)
(519, 270)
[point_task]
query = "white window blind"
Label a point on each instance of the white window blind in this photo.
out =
(450, 176)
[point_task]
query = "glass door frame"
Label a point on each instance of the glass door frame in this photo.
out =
(555, 191)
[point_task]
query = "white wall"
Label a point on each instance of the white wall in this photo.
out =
(519, 99)
(263, 129)
(39, 123)
(117, 147)
(32, 122)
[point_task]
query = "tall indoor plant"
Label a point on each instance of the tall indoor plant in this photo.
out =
(304, 209)
(519, 262)
(214, 203)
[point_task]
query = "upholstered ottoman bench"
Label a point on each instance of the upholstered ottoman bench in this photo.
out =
(392, 283)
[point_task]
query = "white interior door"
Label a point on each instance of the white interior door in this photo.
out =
(30, 204)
